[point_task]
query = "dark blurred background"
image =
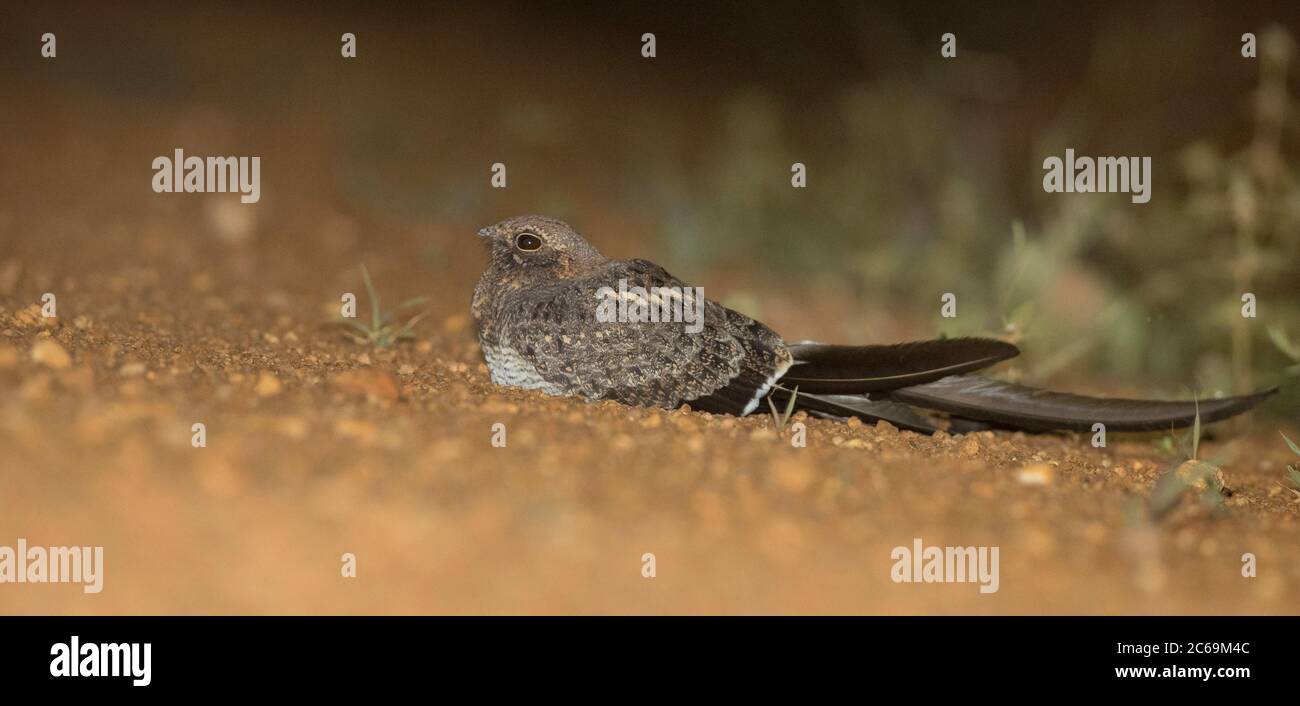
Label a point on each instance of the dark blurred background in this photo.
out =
(924, 174)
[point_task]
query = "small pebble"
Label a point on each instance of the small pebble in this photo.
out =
(1036, 474)
(49, 353)
(132, 369)
(268, 385)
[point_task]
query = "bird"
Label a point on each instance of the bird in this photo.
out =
(537, 311)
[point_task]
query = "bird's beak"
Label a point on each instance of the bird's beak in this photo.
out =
(485, 232)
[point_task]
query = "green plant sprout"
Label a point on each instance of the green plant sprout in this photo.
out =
(1289, 348)
(781, 420)
(1175, 481)
(1292, 474)
(383, 330)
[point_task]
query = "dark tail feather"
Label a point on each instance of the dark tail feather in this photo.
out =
(896, 413)
(1032, 409)
(828, 369)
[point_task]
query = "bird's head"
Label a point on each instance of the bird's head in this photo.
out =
(537, 246)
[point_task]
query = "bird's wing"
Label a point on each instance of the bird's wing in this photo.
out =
(932, 375)
(1031, 409)
(833, 369)
(721, 367)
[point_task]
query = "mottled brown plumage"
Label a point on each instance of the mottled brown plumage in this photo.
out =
(536, 309)
(537, 323)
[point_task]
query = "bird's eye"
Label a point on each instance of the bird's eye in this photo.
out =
(528, 242)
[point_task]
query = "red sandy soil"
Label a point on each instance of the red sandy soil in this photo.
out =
(318, 446)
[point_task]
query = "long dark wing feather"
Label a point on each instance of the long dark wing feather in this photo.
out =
(1032, 409)
(857, 369)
